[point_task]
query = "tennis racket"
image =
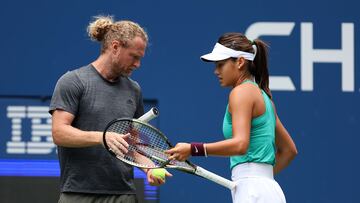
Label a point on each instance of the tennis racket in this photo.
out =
(148, 116)
(146, 149)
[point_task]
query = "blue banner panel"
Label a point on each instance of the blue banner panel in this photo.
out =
(26, 145)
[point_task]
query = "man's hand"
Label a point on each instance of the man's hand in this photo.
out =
(117, 143)
(155, 180)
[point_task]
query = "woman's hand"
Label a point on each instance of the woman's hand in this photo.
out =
(180, 152)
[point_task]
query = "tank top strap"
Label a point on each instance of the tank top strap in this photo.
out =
(249, 81)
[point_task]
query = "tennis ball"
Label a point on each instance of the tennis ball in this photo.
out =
(159, 173)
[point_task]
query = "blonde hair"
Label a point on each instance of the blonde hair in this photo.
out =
(104, 30)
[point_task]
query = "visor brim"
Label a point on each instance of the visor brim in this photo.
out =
(212, 57)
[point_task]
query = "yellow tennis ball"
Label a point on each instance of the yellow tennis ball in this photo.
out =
(159, 173)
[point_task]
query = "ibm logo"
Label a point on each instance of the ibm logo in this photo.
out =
(41, 141)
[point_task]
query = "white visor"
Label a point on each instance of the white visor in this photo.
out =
(221, 52)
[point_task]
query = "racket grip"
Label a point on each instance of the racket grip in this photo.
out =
(148, 116)
(215, 178)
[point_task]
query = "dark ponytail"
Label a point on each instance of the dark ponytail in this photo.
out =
(259, 67)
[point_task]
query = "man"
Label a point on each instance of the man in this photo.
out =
(84, 101)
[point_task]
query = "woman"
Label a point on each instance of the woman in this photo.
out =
(255, 139)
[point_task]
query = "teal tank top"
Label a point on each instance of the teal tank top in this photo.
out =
(262, 135)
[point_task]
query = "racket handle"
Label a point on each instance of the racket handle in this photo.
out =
(215, 178)
(148, 116)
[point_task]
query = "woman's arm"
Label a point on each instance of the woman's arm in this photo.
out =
(285, 147)
(241, 103)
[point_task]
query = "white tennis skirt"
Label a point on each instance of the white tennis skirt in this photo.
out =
(255, 183)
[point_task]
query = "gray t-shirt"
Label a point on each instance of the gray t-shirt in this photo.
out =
(95, 102)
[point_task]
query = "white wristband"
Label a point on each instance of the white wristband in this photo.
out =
(205, 152)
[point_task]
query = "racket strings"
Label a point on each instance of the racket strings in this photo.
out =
(146, 145)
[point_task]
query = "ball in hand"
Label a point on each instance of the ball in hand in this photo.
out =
(159, 173)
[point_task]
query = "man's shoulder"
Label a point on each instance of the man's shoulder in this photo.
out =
(80, 73)
(133, 83)
(83, 71)
(75, 75)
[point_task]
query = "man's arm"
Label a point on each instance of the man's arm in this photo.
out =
(68, 136)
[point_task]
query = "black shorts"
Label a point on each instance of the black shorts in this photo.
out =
(70, 197)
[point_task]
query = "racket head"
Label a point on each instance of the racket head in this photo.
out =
(147, 145)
